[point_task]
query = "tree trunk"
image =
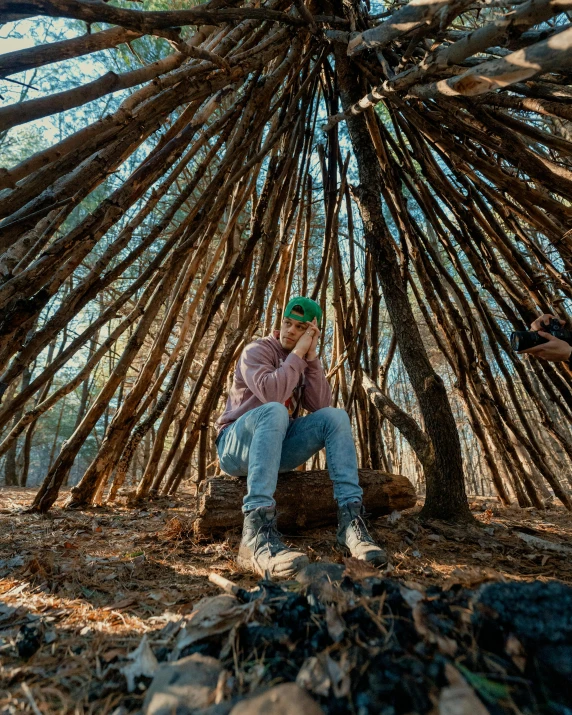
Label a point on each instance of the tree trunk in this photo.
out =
(446, 497)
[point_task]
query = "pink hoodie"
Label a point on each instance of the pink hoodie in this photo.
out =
(265, 372)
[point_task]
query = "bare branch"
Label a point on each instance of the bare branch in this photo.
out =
(22, 60)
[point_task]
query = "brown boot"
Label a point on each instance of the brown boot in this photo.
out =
(353, 534)
(261, 549)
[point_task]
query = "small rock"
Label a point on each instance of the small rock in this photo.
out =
(29, 639)
(182, 687)
(285, 699)
(499, 525)
(335, 624)
(50, 637)
(6, 612)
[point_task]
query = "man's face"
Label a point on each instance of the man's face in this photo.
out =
(290, 332)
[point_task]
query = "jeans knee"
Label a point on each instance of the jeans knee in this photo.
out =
(336, 416)
(275, 412)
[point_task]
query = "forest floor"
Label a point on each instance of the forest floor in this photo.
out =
(87, 585)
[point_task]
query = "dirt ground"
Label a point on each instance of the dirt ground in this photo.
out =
(91, 583)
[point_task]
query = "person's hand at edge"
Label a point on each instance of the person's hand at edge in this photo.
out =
(554, 350)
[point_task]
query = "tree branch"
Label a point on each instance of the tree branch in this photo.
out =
(146, 22)
(408, 427)
(552, 54)
(22, 60)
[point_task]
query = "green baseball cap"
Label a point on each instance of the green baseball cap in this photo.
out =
(307, 308)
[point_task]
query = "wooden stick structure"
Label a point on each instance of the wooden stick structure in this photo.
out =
(186, 191)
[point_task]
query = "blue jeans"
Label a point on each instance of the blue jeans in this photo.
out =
(264, 442)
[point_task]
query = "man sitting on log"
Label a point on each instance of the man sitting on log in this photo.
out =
(261, 434)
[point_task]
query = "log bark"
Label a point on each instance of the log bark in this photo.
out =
(418, 440)
(502, 30)
(219, 504)
(49, 490)
(526, 104)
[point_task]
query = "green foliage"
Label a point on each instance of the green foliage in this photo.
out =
(490, 690)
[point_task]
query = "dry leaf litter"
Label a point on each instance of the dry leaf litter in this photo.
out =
(112, 611)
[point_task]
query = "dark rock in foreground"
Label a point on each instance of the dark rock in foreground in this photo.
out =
(376, 645)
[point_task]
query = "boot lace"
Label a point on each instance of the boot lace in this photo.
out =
(269, 535)
(360, 529)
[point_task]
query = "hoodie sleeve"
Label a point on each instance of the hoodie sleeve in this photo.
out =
(317, 393)
(268, 383)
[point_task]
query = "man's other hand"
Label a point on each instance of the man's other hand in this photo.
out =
(543, 321)
(555, 350)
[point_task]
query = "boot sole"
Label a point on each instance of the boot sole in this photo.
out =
(377, 561)
(249, 564)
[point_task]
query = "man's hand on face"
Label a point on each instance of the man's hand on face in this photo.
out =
(555, 350)
(304, 345)
(313, 351)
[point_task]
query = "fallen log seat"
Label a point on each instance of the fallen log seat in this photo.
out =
(305, 500)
